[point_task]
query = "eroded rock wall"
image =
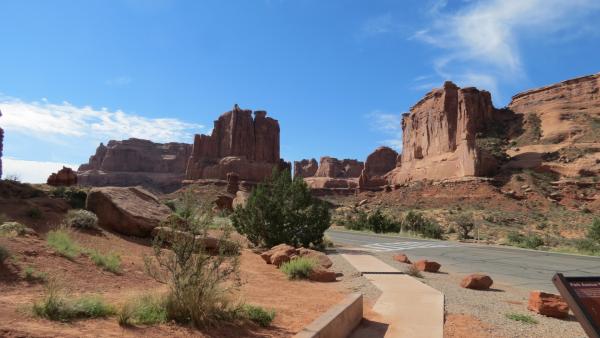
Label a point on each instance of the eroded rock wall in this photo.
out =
(305, 168)
(439, 136)
(377, 165)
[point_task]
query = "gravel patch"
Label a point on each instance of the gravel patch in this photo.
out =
(492, 306)
(352, 281)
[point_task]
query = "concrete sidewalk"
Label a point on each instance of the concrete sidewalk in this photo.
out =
(406, 308)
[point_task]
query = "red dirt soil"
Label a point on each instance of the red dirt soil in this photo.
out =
(465, 326)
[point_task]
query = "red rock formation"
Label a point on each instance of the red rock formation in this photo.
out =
(377, 165)
(238, 143)
(548, 304)
(305, 168)
(136, 162)
(334, 168)
(439, 136)
(65, 177)
(566, 110)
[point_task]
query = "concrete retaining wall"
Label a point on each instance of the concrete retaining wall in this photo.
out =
(338, 322)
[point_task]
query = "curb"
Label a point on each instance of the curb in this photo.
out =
(338, 322)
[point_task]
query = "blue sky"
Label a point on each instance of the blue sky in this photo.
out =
(337, 74)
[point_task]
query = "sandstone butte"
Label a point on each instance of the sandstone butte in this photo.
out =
(65, 177)
(136, 162)
(240, 144)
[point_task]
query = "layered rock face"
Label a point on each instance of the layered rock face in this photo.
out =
(239, 143)
(377, 165)
(332, 173)
(439, 136)
(137, 162)
(305, 168)
(65, 177)
(565, 111)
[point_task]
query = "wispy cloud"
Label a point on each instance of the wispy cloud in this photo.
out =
(44, 119)
(481, 40)
(388, 124)
(31, 171)
(119, 81)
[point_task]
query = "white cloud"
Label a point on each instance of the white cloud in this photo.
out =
(44, 119)
(31, 171)
(389, 124)
(482, 39)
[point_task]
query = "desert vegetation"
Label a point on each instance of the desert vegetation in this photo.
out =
(411, 223)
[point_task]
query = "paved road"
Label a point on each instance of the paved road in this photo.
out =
(522, 268)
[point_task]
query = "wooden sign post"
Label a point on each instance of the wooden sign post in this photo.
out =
(582, 294)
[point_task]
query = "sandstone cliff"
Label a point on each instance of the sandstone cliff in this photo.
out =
(136, 162)
(305, 168)
(377, 165)
(239, 143)
(440, 136)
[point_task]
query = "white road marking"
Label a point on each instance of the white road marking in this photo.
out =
(400, 246)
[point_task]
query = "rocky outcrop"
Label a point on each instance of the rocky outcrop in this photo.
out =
(65, 177)
(562, 112)
(377, 165)
(440, 136)
(133, 162)
(130, 211)
(334, 168)
(305, 168)
(238, 143)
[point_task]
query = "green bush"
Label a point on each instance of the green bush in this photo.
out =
(594, 231)
(75, 197)
(12, 229)
(465, 223)
(377, 222)
(82, 219)
(34, 213)
(31, 275)
(4, 254)
(109, 262)
(299, 268)
(359, 222)
(61, 241)
(146, 310)
(522, 241)
(259, 315)
(415, 221)
(282, 210)
(55, 306)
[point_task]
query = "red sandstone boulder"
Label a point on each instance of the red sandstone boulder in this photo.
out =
(129, 211)
(428, 266)
(233, 183)
(402, 258)
(548, 304)
(320, 274)
(65, 177)
(279, 257)
(318, 256)
(477, 282)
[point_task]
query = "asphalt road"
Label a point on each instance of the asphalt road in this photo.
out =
(518, 267)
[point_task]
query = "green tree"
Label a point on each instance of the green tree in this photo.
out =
(282, 210)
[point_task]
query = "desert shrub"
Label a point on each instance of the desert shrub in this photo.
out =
(415, 221)
(34, 213)
(56, 306)
(76, 198)
(200, 284)
(413, 271)
(298, 268)
(377, 222)
(258, 315)
(58, 192)
(109, 262)
(282, 210)
(61, 242)
(587, 245)
(146, 310)
(357, 222)
(465, 223)
(593, 232)
(4, 254)
(529, 242)
(82, 219)
(31, 275)
(12, 228)
(521, 318)
(171, 205)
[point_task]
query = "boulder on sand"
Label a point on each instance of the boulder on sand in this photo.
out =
(402, 258)
(130, 211)
(427, 266)
(548, 304)
(477, 282)
(320, 274)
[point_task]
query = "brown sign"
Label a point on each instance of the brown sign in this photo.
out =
(583, 296)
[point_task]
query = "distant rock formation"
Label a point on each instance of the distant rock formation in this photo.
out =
(134, 162)
(1, 146)
(439, 136)
(65, 177)
(305, 168)
(334, 168)
(238, 144)
(331, 173)
(377, 165)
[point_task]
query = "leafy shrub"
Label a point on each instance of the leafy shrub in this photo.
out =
(465, 223)
(31, 275)
(12, 228)
(587, 245)
(171, 205)
(432, 230)
(146, 310)
(4, 254)
(521, 318)
(259, 315)
(61, 241)
(82, 219)
(55, 306)
(298, 268)
(415, 221)
(359, 222)
(75, 197)
(377, 222)
(34, 213)
(282, 210)
(594, 231)
(200, 285)
(109, 262)
(522, 241)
